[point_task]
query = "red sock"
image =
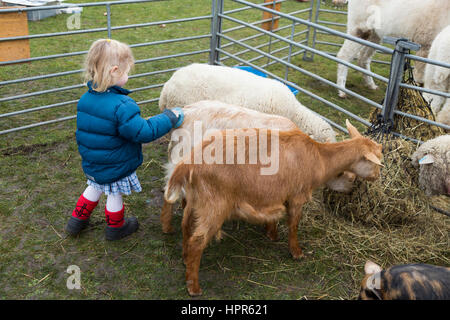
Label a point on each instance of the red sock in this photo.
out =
(83, 208)
(114, 219)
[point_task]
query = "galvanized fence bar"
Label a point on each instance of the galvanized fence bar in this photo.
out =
(15, 113)
(316, 18)
(108, 17)
(70, 54)
(54, 56)
(282, 58)
(56, 34)
(247, 7)
(130, 26)
(334, 54)
(216, 48)
(294, 85)
(252, 37)
(308, 28)
(109, 30)
(296, 53)
(69, 5)
(426, 60)
(439, 93)
(308, 73)
(333, 11)
(44, 76)
(333, 23)
(319, 27)
(402, 47)
(32, 94)
(391, 95)
(286, 72)
(29, 126)
(260, 46)
(318, 52)
(258, 22)
(411, 116)
(330, 104)
(216, 27)
(84, 52)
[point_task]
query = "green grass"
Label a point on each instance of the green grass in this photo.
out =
(41, 179)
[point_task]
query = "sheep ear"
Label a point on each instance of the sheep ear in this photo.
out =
(371, 267)
(353, 132)
(427, 159)
(372, 157)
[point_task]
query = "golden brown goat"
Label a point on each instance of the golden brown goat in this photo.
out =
(218, 115)
(215, 192)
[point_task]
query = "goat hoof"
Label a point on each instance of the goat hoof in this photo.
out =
(272, 236)
(297, 253)
(193, 290)
(342, 95)
(168, 230)
(373, 87)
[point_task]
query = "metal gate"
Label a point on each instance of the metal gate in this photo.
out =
(233, 37)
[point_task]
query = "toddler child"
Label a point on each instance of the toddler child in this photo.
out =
(109, 135)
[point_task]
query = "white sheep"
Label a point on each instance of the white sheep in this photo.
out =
(201, 116)
(197, 82)
(438, 78)
(433, 160)
(417, 20)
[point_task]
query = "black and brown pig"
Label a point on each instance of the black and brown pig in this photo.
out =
(405, 282)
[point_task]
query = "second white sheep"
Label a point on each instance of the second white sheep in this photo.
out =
(438, 78)
(197, 82)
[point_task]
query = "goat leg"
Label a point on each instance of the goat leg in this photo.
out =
(195, 247)
(186, 227)
(272, 231)
(166, 217)
(294, 215)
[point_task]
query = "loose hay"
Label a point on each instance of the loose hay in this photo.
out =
(395, 198)
(350, 243)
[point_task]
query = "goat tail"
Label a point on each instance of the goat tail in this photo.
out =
(180, 176)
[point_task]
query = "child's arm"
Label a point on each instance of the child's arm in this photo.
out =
(133, 127)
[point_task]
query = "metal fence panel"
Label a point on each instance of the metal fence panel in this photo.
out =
(232, 41)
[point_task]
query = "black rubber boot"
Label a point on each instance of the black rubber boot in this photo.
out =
(75, 226)
(129, 226)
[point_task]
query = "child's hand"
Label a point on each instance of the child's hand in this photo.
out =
(177, 111)
(180, 114)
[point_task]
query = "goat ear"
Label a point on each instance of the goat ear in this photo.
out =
(371, 267)
(353, 132)
(427, 159)
(372, 157)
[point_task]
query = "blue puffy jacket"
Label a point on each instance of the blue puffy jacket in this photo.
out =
(110, 132)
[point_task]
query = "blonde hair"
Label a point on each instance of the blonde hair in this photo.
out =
(103, 55)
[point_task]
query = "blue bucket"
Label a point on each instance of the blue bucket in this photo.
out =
(262, 74)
